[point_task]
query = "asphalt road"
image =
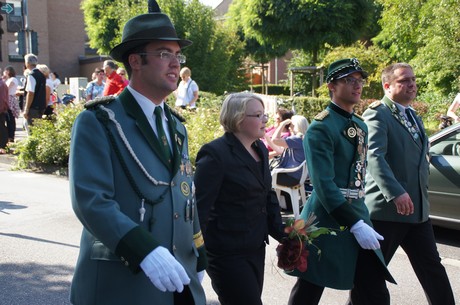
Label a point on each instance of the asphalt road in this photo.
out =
(39, 241)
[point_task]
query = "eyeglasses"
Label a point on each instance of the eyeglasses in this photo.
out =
(167, 56)
(260, 116)
(354, 81)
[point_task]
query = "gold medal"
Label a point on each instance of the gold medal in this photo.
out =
(185, 188)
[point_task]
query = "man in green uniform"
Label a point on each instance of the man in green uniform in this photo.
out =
(335, 148)
(131, 182)
(397, 184)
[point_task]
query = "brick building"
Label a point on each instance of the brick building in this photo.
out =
(61, 37)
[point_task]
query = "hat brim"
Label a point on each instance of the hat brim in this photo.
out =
(120, 50)
(363, 74)
(344, 73)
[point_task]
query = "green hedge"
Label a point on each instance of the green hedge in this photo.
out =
(49, 143)
(273, 89)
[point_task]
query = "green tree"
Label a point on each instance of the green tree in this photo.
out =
(254, 49)
(306, 24)
(425, 34)
(214, 58)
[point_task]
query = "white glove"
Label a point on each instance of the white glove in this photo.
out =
(366, 236)
(164, 271)
(201, 276)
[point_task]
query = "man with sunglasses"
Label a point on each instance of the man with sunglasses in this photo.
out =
(335, 149)
(131, 182)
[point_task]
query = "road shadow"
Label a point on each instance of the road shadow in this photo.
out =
(8, 205)
(32, 283)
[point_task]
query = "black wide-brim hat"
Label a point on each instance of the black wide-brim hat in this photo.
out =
(143, 29)
(344, 67)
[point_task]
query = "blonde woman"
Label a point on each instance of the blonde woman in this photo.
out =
(236, 204)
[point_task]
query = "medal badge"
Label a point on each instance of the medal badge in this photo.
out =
(185, 188)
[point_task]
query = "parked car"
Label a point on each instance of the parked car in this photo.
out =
(444, 180)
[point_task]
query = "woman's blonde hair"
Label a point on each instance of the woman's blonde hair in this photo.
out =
(185, 71)
(44, 69)
(234, 110)
(300, 125)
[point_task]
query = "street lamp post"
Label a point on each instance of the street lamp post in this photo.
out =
(25, 15)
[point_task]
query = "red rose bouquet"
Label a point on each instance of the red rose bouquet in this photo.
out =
(292, 252)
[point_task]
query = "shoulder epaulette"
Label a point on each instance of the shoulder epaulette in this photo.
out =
(320, 116)
(99, 101)
(375, 104)
(175, 113)
(358, 116)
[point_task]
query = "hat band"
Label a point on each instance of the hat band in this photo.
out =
(164, 32)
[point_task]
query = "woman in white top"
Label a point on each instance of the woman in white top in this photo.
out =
(187, 91)
(453, 108)
(55, 79)
(13, 104)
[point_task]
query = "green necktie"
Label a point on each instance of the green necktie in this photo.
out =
(161, 133)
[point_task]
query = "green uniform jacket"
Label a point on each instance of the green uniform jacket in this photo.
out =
(398, 163)
(114, 240)
(335, 160)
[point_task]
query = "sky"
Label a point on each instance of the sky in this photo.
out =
(212, 3)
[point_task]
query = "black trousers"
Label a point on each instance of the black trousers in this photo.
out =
(11, 125)
(418, 241)
(237, 279)
(368, 264)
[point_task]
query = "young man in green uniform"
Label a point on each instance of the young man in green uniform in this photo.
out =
(335, 148)
(131, 182)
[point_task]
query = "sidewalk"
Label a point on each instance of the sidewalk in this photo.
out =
(10, 159)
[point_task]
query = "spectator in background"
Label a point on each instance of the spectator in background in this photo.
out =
(122, 73)
(453, 108)
(290, 147)
(95, 88)
(187, 91)
(3, 114)
(35, 90)
(13, 112)
(280, 115)
(114, 84)
(49, 88)
(55, 79)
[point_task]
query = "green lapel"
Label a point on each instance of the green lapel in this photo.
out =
(402, 120)
(133, 109)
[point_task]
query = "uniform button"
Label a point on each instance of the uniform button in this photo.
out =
(174, 248)
(126, 264)
(173, 184)
(176, 215)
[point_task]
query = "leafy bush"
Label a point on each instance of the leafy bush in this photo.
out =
(273, 89)
(49, 141)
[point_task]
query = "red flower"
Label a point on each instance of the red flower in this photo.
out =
(292, 254)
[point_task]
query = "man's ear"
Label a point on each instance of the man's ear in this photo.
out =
(331, 86)
(386, 86)
(135, 61)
